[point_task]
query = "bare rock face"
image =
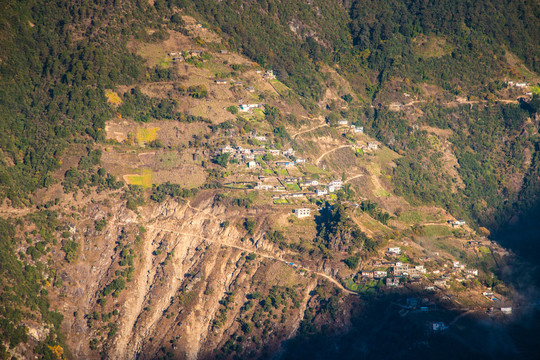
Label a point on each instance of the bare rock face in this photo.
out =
(190, 283)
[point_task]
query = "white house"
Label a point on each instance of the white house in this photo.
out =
(269, 74)
(302, 212)
(252, 164)
(288, 152)
(367, 274)
(300, 160)
(343, 122)
(226, 150)
(377, 274)
(335, 183)
(401, 269)
(372, 146)
(284, 163)
(359, 129)
(247, 107)
(309, 183)
(394, 250)
(473, 272)
(321, 192)
(264, 187)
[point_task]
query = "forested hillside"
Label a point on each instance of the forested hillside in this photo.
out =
(139, 141)
(58, 59)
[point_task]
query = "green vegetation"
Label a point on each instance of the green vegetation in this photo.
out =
(249, 225)
(352, 262)
(232, 109)
(23, 287)
(374, 211)
(63, 66)
(134, 196)
(70, 248)
(293, 187)
(222, 159)
(336, 231)
(259, 314)
(142, 108)
(198, 91)
(244, 202)
(485, 163)
(386, 31)
(87, 175)
(100, 224)
(160, 192)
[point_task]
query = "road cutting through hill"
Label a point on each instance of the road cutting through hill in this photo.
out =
(331, 150)
(308, 130)
(327, 277)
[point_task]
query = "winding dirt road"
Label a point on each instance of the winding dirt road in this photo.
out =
(267, 256)
(331, 150)
(308, 130)
(352, 178)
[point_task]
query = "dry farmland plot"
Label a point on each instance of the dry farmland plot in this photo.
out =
(436, 231)
(144, 178)
(171, 133)
(186, 176)
(157, 53)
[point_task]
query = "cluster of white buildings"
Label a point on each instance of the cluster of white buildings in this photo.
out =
(400, 270)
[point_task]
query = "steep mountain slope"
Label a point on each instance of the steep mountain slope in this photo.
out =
(166, 195)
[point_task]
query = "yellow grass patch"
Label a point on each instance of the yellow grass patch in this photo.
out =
(144, 136)
(113, 98)
(143, 179)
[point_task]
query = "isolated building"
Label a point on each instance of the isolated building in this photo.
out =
(302, 212)
(394, 250)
